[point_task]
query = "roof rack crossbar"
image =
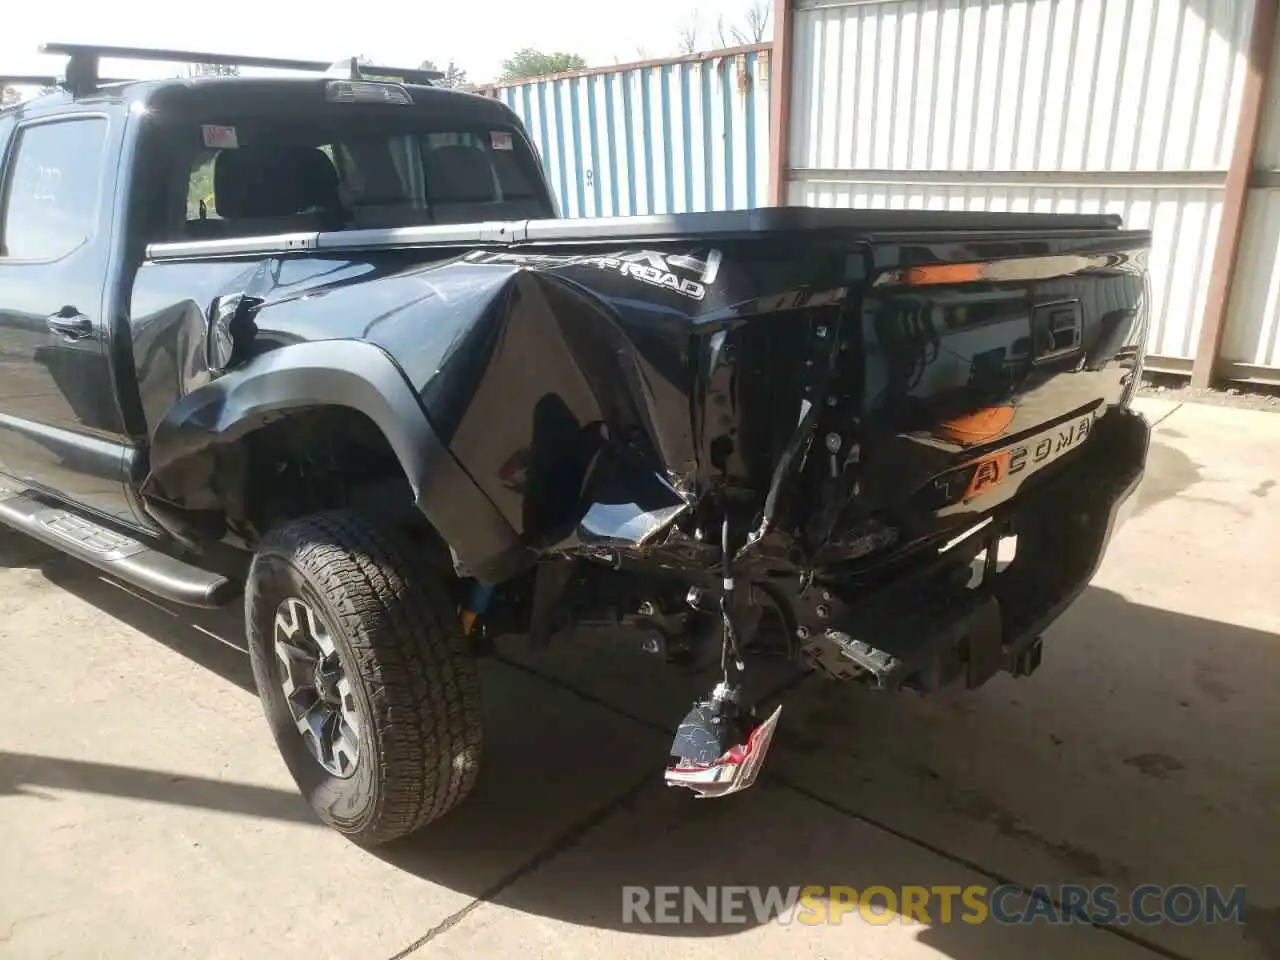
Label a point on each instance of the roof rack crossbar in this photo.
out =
(26, 80)
(30, 80)
(82, 68)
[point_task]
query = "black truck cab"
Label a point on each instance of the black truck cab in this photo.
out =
(64, 258)
(91, 179)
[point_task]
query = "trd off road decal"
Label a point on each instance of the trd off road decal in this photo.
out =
(678, 272)
(659, 270)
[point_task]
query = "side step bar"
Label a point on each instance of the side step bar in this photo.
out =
(121, 556)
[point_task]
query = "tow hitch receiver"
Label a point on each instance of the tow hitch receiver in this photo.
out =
(717, 751)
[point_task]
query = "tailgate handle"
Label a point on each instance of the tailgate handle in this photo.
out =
(1057, 330)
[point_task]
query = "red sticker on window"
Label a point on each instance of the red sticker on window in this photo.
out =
(219, 138)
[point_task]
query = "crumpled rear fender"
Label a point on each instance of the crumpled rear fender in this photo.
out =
(344, 373)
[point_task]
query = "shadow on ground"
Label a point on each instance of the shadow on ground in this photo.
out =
(799, 828)
(213, 639)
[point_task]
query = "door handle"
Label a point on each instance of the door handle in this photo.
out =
(70, 324)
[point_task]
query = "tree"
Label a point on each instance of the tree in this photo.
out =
(527, 63)
(454, 76)
(754, 30)
(757, 25)
(720, 28)
(689, 33)
(11, 96)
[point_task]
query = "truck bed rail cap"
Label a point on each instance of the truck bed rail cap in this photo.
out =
(869, 222)
(721, 224)
(235, 245)
(489, 231)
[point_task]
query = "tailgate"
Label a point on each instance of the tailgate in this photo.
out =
(978, 374)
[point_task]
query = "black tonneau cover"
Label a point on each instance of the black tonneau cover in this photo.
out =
(730, 223)
(715, 226)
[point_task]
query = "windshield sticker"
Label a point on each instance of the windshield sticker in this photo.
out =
(501, 140)
(219, 138)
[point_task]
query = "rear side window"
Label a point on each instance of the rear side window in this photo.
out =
(200, 187)
(51, 188)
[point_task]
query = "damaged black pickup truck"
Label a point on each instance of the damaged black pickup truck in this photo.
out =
(322, 340)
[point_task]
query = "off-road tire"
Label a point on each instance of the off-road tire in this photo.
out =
(399, 642)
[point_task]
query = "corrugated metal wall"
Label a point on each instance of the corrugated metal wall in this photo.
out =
(1252, 334)
(1125, 106)
(671, 136)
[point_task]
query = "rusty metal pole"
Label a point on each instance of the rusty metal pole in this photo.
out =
(780, 102)
(1236, 193)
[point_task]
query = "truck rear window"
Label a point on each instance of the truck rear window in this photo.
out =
(243, 181)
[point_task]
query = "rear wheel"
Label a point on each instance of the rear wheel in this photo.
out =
(363, 674)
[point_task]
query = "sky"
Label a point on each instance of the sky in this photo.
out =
(477, 36)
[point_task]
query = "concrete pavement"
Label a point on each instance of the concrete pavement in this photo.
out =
(145, 812)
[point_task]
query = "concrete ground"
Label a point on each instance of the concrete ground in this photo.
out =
(144, 811)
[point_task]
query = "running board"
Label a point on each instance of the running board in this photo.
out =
(121, 556)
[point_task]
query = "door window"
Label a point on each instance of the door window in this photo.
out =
(51, 191)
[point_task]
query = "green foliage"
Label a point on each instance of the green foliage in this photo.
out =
(527, 63)
(454, 76)
(200, 188)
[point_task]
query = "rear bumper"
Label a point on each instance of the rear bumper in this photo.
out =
(929, 628)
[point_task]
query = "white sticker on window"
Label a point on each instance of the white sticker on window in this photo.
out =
(219, 138)
(500, 140)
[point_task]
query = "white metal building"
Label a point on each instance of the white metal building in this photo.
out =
(680, 135)
(1125, 106)
(1251, 345)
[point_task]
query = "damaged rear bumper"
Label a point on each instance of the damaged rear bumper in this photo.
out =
(926, 630)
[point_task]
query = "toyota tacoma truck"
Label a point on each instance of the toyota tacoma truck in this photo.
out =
(321, 342)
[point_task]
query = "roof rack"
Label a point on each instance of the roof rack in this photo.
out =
(82, 68)
(25, 80)
(29, 80)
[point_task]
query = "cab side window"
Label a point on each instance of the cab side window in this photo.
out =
(200, 187)
(6, 131)
(51, 188)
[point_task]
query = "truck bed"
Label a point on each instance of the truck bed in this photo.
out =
(850, 381)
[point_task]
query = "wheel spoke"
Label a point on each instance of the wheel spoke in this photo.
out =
(298, 669)
(287, 618)
(319, 634)
(344, 750)
(350, 716)
(320, 698)
(312, 722)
